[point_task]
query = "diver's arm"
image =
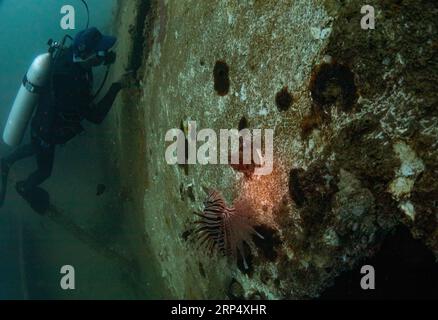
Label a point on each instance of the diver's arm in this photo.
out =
(97, 112)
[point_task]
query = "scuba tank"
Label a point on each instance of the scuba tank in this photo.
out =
(34, 82)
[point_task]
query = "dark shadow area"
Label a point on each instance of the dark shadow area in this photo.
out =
(138, 36)
(269, 243)
(404, 269)
(221, 78)
(283, 99)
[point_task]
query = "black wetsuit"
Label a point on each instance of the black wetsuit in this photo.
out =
(61, 109)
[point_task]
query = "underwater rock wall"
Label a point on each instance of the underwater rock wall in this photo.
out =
(355, 143)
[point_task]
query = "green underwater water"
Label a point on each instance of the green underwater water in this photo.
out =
(89, 232)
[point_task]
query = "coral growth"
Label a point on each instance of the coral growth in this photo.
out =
(333, 82)
(283, 99)
(221, 78)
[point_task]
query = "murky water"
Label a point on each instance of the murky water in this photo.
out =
(90, 234)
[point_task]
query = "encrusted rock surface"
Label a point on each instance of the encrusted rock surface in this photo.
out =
(355, 116)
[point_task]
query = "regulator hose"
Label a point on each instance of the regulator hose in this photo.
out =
(88, 13)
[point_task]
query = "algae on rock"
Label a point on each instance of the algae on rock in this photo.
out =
(355, 149)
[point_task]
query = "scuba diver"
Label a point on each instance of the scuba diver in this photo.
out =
(61, 107)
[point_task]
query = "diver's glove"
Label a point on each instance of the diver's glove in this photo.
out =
(110, 58)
